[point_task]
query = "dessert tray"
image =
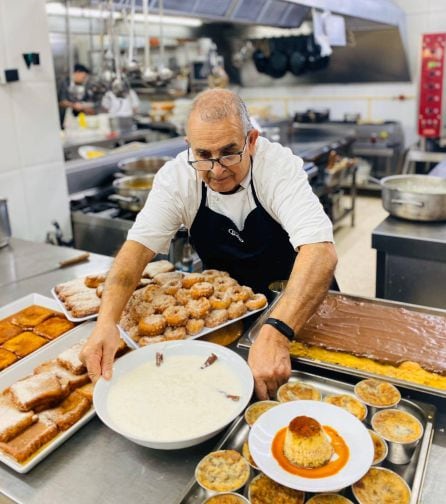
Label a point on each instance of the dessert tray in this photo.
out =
(248, 338)
(413, 472)
(24, 368)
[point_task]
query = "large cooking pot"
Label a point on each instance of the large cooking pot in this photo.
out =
(132, 191)
(414, 197)
(143, 165)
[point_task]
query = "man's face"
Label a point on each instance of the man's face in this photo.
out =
(217, 139)
(80, 77)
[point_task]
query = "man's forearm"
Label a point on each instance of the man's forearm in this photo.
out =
(308, 284)
(122, 280)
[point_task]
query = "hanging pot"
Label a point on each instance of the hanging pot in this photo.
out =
(297, 63)
(278, 60)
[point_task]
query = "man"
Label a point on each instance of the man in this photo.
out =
(74, 94)
(248, 207)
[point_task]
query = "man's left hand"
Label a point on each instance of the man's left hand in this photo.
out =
(269, 360)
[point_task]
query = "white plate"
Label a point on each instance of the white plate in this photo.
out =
(347, 426)
(25, 368)
(67, 313)
(146, 354)
(24, 302)
(203, 332)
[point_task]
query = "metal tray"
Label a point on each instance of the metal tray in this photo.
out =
(247, 339)
(413, 472)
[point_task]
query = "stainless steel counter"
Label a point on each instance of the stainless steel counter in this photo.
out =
(97, 465)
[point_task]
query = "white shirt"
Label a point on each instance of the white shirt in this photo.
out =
(281, 185)
(120, 107)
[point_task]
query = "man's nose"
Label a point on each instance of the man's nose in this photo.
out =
(218, 169)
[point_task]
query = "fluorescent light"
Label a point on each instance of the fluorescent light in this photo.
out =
(57, 9)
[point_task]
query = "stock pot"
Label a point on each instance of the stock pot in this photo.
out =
(414, 197)
(143, 165)
(132, 191)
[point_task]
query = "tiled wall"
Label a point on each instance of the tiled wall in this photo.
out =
(32, 171)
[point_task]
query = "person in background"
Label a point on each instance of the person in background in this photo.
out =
(250, 211)
(120, 100)
(74, 94)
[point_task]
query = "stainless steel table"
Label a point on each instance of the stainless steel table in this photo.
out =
(97, 465)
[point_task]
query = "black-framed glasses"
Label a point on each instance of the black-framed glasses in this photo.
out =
(225, 161)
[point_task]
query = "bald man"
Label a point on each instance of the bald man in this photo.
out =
(250, 211)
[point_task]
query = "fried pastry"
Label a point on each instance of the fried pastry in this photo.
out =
(30, 440)
(31, 316)
(70, 360)
(13, 421)
(156, 267)
(67, 289)
(87, 391)
(53, 327)
(25, 343)
(6, 358)
(69, 411)
(8, 330)
(93, 281)
(75, 381)
(86, 307)
(39, 391)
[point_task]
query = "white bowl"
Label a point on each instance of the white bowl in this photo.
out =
(174, 348)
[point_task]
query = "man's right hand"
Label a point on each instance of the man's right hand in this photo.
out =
(99, 351)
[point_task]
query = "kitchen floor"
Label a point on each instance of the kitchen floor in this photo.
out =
(356, 259)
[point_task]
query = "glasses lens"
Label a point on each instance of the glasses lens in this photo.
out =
(230, 160)
(202, 165)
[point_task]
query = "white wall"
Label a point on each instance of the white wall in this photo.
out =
(375, 101)
(32, 172)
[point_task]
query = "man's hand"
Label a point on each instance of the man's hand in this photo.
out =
(269, 360)
(99, 351)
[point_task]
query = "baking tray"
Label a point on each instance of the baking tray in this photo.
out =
(25, 368)
(24, 302)
(413, 472)
(247, 339)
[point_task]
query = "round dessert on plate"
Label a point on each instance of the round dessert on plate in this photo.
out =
(328, 498)
(255, 410)
(222, 471)
(377, 393)
(263, 490)
(295, 390)
(247, 454)
(349, 403)
(350, 441)
(381, 485)
(380, 447)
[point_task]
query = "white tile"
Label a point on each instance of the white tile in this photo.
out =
(9, 159)
(46, 195)
(37, 122)
(11, 187)
(26, 30)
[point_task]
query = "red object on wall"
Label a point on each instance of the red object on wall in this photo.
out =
(430, 121)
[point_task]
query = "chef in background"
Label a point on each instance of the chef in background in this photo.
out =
(120, 100)
(74, 94)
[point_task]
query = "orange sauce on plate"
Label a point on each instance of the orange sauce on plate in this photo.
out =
(339, 446)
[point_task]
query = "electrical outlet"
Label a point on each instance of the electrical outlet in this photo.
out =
(9, 75)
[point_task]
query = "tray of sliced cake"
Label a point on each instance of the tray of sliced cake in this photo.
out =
(28, 325)
(44, 400)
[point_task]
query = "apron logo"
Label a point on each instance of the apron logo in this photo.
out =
(233, 232)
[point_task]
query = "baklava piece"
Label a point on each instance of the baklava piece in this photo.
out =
(69, 411)
(30, 440)
(53, 327)
(13, 421)
(8, 330)
(31, 316)
(6, 358)
(70, 359)
(53, 367)
(39, 391)
(25, 343)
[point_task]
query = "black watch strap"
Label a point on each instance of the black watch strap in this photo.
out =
(283, 328)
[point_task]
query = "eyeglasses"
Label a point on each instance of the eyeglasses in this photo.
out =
(225, 161)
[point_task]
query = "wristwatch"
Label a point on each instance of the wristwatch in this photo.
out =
(283, 328)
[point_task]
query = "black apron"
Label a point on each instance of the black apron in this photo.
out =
(256, 256)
